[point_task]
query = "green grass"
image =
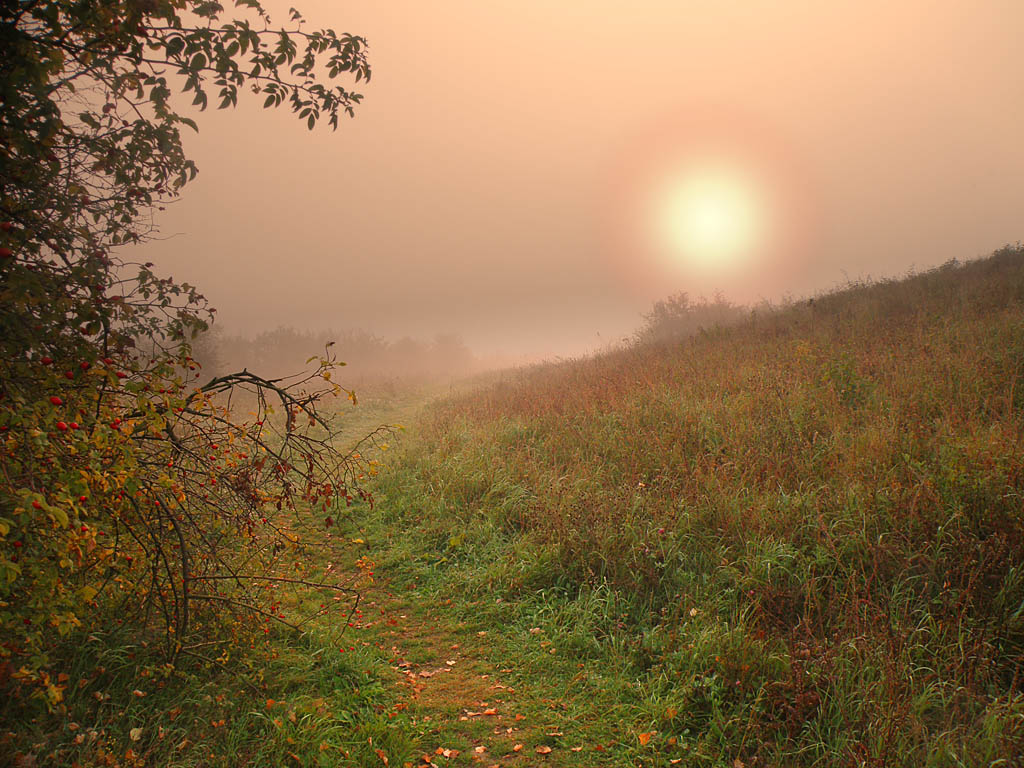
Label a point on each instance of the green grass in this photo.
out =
(297, 701)
(798, 541)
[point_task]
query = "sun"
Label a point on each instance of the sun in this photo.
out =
(709, 217)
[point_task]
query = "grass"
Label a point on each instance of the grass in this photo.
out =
(797, 541)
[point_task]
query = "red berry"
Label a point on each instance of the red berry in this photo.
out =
(83, 498)
(5, 253)
(84, 529)
(84, 365)
(73, 425)
(122, 375)
(17, 545)
(36, 505)
(46, 360)
(108, 361)
(56, 400)
(69, 375)
(6, 226)
(62, 426)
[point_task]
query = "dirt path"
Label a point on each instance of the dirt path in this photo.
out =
(461, 706)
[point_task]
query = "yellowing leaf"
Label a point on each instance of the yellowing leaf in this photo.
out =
(135, 734)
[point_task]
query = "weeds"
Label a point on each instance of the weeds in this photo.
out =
(795, 541)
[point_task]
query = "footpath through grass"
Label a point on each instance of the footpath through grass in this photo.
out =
(795, 542)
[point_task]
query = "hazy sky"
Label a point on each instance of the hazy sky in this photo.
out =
(533, 174)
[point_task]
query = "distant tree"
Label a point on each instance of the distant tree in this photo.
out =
(123, 481)
(678, 316)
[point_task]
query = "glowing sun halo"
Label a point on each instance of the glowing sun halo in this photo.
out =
(709, 217)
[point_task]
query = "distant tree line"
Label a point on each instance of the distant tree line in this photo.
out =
(369, 357)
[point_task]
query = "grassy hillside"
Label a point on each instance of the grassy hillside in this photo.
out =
(797, 541)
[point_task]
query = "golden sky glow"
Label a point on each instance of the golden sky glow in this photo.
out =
(711, 217)
(497, 181)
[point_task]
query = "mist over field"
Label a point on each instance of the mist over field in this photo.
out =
(532, 176)
(624, 384)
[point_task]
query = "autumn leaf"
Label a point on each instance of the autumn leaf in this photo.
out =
(135, 734)
(644, 738)
(543, 749)
(382, 755)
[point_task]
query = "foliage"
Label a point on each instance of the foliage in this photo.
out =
(127, 483)
(677, 317)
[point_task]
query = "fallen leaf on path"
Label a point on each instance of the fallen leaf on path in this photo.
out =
(543, 749)
(517, 748)
(520, 717)
(480, 750)
(490, 711)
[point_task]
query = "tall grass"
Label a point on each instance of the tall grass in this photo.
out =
(804, 533)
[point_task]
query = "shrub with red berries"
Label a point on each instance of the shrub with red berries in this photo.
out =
(124, 478)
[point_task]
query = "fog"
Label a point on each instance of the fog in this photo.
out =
(517, 171)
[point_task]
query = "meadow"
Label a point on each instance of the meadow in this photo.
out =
(794, 541)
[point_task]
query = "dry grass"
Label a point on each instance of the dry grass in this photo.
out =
(835, 488)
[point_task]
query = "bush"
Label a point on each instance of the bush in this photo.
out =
(126, 482)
